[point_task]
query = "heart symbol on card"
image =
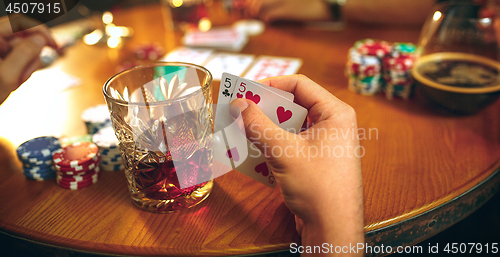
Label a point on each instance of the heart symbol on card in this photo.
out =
(250, 96)
(262, 168)
(239, 95)
(233, 153)
(283, 115)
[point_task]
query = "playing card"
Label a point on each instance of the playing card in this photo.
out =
(235, 151)
(238, 151)
(225, 38)
(256, 167)
(284, 113)
(186, 54)
(270, 66)
(227, 62)
(288, 115)
(228, 82)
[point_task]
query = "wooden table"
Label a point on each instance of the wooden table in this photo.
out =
(423, 171)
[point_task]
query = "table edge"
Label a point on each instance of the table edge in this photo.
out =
(424, 225)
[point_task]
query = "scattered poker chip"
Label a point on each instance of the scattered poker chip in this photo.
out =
(96, 117)
(76, 154)
(150, 52)
(39, 147)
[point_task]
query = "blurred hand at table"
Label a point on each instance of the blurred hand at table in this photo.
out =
(368, 12)
(489, 10)
(20, 52)
(323, 191)
(301, 10)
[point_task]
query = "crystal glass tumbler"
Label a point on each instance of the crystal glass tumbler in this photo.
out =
(162, 116)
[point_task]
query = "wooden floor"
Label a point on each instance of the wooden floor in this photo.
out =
(483, 226)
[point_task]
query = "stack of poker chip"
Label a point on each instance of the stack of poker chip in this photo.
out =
(77, 165)
(107, 142)
(96, 117)
(397, 70)
(36, 156)
(374, 65)
(364, 65)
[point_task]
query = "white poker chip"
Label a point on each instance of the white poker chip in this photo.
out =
(105, 138)
(250, 27)
(96, 114)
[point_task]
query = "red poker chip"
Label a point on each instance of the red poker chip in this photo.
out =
(366, 70)
(67, 182)
(78, 169)
(78, 184)
(374, 48)
(75, 185)
(399, 63)
(77, 178)
(76, 154)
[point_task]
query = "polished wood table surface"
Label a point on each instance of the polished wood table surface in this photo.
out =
(423, 170)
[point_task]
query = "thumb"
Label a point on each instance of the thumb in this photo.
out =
(259, 129)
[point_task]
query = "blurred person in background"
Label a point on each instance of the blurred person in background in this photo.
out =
(397, 12)
(20, 52)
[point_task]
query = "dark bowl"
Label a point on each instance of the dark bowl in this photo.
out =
(460, 103)
(460, 100)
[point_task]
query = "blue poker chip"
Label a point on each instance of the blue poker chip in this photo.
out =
(40, 163)
(37, 167)
(110, 151)
(114, 158)
(40, 177)
(37, 159)
(113, 168)
(111, 163)
(39, 170)
(39, 148)
(94, 127)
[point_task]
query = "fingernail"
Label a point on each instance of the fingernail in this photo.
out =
(39, 40)
(242, 106)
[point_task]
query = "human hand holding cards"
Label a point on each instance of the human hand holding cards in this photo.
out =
(231, 147)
